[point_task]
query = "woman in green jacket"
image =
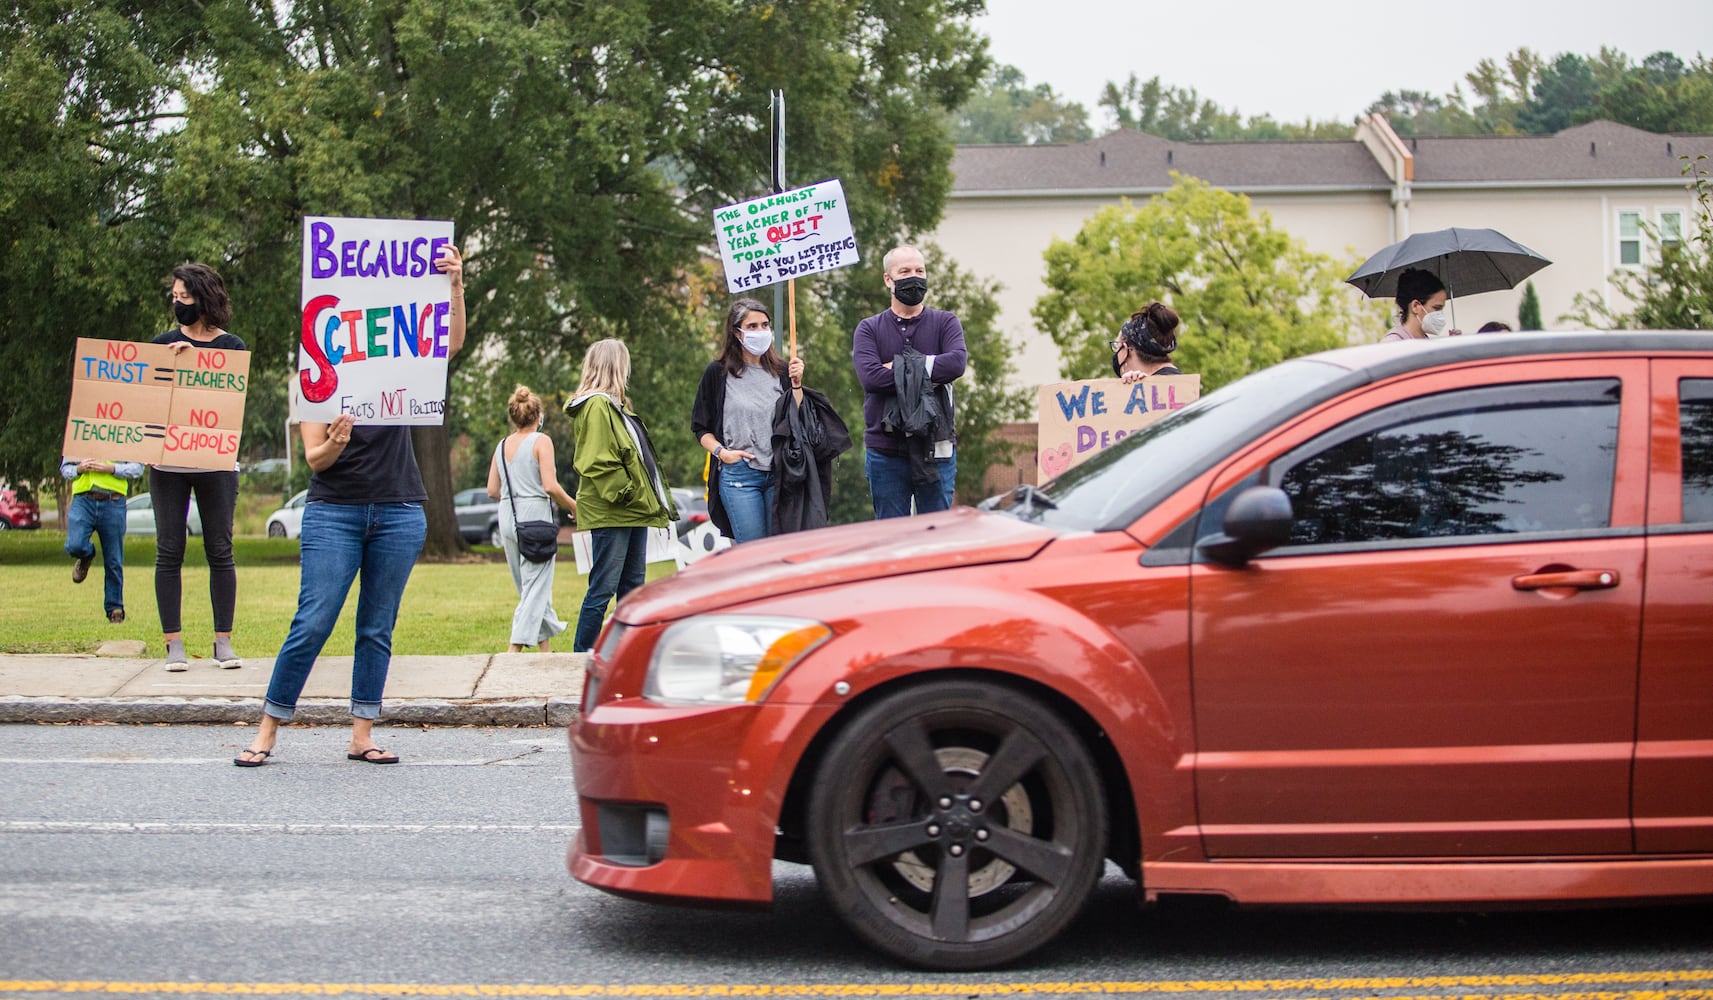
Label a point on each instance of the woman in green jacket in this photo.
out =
(620, 491)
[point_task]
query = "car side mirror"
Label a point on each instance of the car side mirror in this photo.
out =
(1258, 519)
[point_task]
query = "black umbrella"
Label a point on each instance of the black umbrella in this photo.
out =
(1466, 261)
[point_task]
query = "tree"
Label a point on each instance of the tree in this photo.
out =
(1529, 313)
(1249, 294)
(1182, 115)
(578, 149)
(1673, 290)
(1006, 110)
(1566, 87)
(1416, 112)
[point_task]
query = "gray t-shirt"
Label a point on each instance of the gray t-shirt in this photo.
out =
(748, 420)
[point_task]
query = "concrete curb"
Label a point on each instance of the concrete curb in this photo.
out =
(521, 712)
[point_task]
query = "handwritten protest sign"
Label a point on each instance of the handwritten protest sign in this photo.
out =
(136, 402)
(1079, 419)
(376, 320)
(785, 235)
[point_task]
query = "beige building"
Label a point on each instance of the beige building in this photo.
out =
(1576, 197)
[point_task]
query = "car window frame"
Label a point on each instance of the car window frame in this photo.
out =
(1253, 465)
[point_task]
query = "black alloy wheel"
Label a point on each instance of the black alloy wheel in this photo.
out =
(957, 825)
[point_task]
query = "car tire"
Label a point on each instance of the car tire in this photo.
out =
(5, 523)
(494, 538)
(276, 530)
(902, 803)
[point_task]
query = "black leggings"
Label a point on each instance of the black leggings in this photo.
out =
(216, 500)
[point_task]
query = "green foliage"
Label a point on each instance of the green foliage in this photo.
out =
(1529, 313)
(578, 148)
(1249, 294)
(1182, 115)
(1006, 110)
(1674, 289)
(1529, 95)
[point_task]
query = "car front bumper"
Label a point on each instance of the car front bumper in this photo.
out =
(680, 803)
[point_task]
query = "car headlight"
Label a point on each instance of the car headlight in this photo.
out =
(728, 659)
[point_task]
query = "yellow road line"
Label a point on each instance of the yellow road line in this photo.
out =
(1346, 989)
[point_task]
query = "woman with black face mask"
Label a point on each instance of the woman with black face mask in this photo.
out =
(1145, 344)
(199, 304)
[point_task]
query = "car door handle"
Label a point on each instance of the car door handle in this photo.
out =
(1580, 579)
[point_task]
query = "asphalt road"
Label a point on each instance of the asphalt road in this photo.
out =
(137, 860)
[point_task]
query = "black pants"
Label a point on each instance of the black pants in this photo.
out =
(216, 500)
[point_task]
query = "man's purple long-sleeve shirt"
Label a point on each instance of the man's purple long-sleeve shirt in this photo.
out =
(934, 332)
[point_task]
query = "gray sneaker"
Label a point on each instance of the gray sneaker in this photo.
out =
(176, 661)
(224, 655)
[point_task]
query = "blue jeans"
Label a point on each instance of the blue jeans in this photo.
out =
(890, 487)
(748, 498)
(106, 520)
(381, 541)
(618, 564)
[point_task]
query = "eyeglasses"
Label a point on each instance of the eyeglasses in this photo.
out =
(1114, 345)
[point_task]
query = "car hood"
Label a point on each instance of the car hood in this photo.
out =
(962, 536)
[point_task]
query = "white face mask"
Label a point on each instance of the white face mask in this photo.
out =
(1433, 324)
(757, 341)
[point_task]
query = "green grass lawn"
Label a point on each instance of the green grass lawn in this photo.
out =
(449, 608)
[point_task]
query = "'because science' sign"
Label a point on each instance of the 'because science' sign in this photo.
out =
(376, 321)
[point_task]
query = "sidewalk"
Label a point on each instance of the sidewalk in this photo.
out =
(120, 684)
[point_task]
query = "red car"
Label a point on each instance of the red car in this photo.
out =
(1396, 625)
(18, 509)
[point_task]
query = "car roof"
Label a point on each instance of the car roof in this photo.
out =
(1392, 358)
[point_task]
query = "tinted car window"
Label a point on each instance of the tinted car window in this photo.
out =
(1695, 423)
(1493, 460)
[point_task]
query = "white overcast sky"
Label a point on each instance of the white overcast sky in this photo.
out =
(1296, 59)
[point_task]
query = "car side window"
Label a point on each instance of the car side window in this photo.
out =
(1493, 460)
(1695, 430)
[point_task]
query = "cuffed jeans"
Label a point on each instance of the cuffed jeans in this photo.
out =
(216, 500)
(381, 542)
(890, 488)
(104, 519)
(748, 498)
(618, 564)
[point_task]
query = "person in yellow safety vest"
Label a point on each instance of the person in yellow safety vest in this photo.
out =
(98, 490)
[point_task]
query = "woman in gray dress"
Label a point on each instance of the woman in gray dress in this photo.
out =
(534, 486)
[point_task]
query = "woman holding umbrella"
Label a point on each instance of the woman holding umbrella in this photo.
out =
(1421, 308)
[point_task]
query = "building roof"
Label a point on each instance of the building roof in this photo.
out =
(1600, 151)
(1128, 161)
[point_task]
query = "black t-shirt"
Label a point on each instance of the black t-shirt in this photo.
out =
(222, 341)
(377, 466)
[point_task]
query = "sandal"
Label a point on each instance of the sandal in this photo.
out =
(252, 758)
(373, 755)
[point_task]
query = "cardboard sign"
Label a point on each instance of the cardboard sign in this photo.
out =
(134, 402)
(785, 235)
(1080, 419)
(376, 321)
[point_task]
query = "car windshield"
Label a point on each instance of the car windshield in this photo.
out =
(1113, 488)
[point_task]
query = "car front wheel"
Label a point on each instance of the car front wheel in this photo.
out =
(276, 530)
(957, 825)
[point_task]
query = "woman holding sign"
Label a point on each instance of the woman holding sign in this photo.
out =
(1145, 344)
(199, 304)
(363, 516)
(732, 419)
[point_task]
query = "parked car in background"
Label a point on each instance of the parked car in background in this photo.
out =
(267, 466)
(692, 510)
(287, 522)
(18, 509)
(478, 516)
(140, 516)
(1418, 624)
